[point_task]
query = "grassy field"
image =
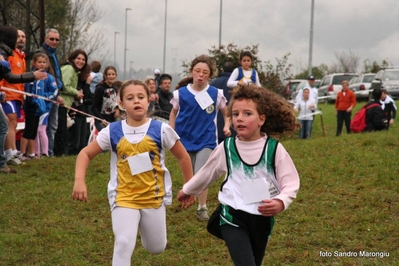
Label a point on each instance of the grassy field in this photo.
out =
(348, 205)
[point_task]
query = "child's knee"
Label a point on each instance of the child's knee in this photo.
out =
(123, 245)
(155, 248)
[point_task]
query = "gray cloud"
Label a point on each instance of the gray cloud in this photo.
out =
(367, 28)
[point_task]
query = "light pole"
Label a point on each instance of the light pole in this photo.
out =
(164, 37)
(116, 32)
(220, 23)
(311, 39)
(124, 56)
(131, 70)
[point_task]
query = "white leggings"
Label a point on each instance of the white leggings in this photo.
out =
(126, 222)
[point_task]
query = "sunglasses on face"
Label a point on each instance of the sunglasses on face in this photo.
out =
(54, 39)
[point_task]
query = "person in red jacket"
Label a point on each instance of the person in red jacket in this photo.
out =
(344, 104)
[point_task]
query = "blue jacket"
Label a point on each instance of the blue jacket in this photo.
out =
(46, 88)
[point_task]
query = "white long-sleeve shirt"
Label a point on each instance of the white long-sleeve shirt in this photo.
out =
(305, 108)
(250, 152)
(233, 82)
(313, 93)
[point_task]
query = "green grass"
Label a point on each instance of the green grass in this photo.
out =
(348, 201)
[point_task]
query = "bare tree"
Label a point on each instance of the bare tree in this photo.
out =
(346, 62)
(80, 32)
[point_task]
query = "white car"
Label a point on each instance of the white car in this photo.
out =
(330, 85)
(361, 84)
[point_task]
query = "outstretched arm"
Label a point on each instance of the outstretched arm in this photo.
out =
(172, 118)
(184, 161)
(226, 128)
(82, 162)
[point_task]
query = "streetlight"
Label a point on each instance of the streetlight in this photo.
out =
(220, 23)
(311, 39)
(131, 70)
(164, 36)
(124, 56)
(116, 32)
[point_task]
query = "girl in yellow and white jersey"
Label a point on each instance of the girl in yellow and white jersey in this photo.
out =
(140, 185)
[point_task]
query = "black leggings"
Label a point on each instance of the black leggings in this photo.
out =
(243, 250)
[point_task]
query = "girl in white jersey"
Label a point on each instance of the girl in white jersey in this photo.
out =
(140, 185)
(261, 180)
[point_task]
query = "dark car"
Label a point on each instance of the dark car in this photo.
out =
(291, 87)
(388, 79)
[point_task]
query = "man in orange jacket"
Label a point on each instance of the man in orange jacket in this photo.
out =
(12, 108)
(344, 104)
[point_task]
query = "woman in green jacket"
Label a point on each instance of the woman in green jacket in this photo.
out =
(76, 63)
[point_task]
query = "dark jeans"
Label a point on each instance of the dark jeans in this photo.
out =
(341, 117)
(61, 135)
(3, 134)
(77, 135)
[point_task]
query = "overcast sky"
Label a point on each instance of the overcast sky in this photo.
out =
(368, 28)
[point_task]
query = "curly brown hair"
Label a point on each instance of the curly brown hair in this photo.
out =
(280, 119)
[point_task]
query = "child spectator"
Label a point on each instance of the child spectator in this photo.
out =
(244, 74)
(193, 116)
(260, 178)
(122, 112)
(105, 100)
(140, 184)
(36, 107)
(96, 75)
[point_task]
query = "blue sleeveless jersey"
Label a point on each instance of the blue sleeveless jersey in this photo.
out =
(241, 74)
(196, 127)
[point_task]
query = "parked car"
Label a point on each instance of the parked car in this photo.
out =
(291, 86)
(388, 79)
(361, 84)
(300, 86)
(330, 85)
(317, 83)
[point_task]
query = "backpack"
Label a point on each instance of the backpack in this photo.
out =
(358, 123)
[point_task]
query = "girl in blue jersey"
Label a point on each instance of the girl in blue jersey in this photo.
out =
(194, 116)
(36, 107)
(140, 185)
(244, 74)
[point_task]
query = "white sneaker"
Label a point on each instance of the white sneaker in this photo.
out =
(202, 214)
(14, 161)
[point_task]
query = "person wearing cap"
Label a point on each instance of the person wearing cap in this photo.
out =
(165, 95)
(313, 93)
(157, 76)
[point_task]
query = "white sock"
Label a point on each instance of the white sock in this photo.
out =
(201, 206)
(14, 152)
(9, 154)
